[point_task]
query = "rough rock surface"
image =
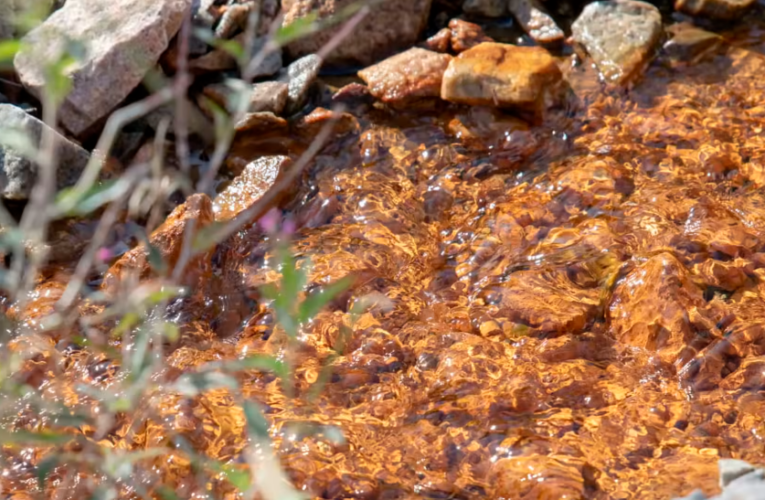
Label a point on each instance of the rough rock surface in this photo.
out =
(548, 302)
(620, 36)
(17, 174)
(739, 480)
(465, 35)
(487, 8)
(300, 76)
(715, 9)
(535, 22)
(264, 97)
(390, 26)
(256, 179)
(501, 75)
(167, 239)
(411, 75)
(124, 40)
(650, 309)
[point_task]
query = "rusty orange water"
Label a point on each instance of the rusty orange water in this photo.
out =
(578, 309)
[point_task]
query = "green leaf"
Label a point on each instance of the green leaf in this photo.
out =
(44, 468)
(71, 204)
(166, 293)
(127, 323)
(8, 50)
(316, 301)
(195, 383)
(166, 493)
(155, 260)
(206, 237)
(297, 29)
(28, 438)
(239, 478)
(260, 362)
(257, 425)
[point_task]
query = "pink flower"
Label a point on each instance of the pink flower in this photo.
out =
(104, 254)
(270, 221)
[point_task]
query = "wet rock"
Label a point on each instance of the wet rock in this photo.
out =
(487, 8)
(124, 40)
(465, 35)
(650, 308)
(260, 122)
(714, 228)
(308, 127)
(168, 241)
(257, 178)
(18, 174)
(256, 134)
(300, 76)
(355, 97)
(440, 42)
(406, 77)
(485, 128)
(715, 9)
(690, 44)
(535, 21)
(505, 76)
(547, 302)
(390, 26)
(621, 37)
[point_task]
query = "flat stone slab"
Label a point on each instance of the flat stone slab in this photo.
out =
(411, 75)
(124, 39)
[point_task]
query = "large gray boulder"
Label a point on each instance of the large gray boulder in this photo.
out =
(123, 40)
(17, 173)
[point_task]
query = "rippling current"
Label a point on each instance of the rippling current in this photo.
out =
(577, 308)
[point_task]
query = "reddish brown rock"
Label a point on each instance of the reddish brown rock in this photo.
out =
(650, 309)
(465, 35)
(715, 9)
(547, 302)
(406, 77)
(486, 128)
(250, 186)
(168, 240)
(621, 36)
(390, 26)
(124, 40)
(505, 76)
(440, 42)
(535, 21)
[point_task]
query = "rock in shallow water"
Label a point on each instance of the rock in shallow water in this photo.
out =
(168, 240)
(124, 40)
(715, 9)
(257, 178)
(390, 25)
(403, 78)
(504, 76)
(18, 174)
(621, 36)
(650, 308)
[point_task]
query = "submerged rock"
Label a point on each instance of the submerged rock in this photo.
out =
(17, 173)
(535, 21)
(739, 480)
(389, 26)
(300, 77)
(621, 36)
(689, 44)
(257, 178)
(650, 308)
(406, 77)
(505, 76)
(124, 40)
(168, 241)
(715, 9)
